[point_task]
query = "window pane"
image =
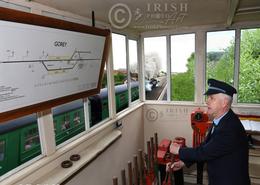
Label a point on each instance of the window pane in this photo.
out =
(120, 71)
(155, 68)
(249, 70)
(31, 138)
(133, 63)
(19, 142)
(182, 67)
(98, 104)
(220, 55)
(2, 150)
(68, 120)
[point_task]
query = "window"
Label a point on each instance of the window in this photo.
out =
(182, 67)
(2, 150)
(29, 143)
(98, 104)
(31, 138)
(4, 167)
(19, 142)
(155, 68)
(133, 63)
(220, 55)
(68, 120)
(120, 71)
(249, 70)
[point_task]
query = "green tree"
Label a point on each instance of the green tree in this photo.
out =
(220, 65)
(119, 78)
(104, 80)
(183, 83)
(249, 74)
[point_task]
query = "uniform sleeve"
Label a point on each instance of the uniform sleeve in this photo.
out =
(221, 143)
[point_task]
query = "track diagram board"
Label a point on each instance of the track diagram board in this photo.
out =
(40, 63)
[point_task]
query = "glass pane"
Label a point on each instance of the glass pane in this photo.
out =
(68, 120)
(32, 138)
(2, 150)
(65, 124)
(76, 118)
(133, 63)
(98, 104)
(120, 71)
(19, 142)
(182, 67)
(249, 70)
(155, 68)
(220, 55)
(119, 58)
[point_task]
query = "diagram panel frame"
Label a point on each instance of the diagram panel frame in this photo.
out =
(15, 16)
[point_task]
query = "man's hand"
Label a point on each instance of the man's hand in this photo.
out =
(175, 166)
(168, 166)
(178, 165)
(174, 148)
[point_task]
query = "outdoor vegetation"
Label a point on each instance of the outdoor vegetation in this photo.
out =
(220, 65)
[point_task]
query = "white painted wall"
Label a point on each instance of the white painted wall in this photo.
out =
(171, 120)
(167, 119)
(113, 159)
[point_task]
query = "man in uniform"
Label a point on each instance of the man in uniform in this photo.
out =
(225, 149)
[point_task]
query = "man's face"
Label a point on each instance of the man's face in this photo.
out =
(215, 105)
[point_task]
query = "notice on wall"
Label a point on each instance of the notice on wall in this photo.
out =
(39, 64)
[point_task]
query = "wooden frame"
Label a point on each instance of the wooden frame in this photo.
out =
(38, 20)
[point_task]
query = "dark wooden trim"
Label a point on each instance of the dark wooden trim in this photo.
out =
(16, 113)
(38, 20)
(249, 116)
(108, 44)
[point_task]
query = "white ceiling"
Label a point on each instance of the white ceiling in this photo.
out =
(154, 14)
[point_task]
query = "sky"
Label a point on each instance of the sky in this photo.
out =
(119, 51)
(217, 41)
(181, 48)
(156, 45)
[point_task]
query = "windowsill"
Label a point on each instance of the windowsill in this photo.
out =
(59, 174)
(49, 171)
(183, 103)
(245, 105)
(89, 145)
(190, 103)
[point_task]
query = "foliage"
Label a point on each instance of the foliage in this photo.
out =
(214, 56)
(249, 76)
(183, 83)
(183, 87)
(119, 78)
(223, 69)
(104, 80)
(220, 65)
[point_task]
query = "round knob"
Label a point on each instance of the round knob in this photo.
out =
(66, 164)
(75, 157)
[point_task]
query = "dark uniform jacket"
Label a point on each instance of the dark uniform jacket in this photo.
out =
(225, 151)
